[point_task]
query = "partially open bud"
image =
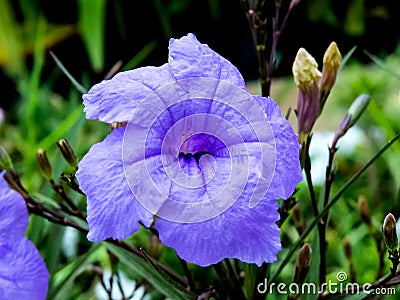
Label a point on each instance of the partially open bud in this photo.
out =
(389, 232)
(363, 210)
(44, 164)
(5, 160)
(331, 63)
(67, 153)
(306, 77)
(302, 263)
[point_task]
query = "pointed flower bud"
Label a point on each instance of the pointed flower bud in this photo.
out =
(363, 210)
(389, 232)
(306, 77)
(297, 218)
(357, 108)
(67, 153)
(353, 114)
(331, 63)
(44, 164)
(303, 263)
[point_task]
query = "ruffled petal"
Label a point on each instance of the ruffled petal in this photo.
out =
(13, 212)
(248, 234)
(114, 100)
(189, 58)
(287, 170)
(23, 274)
(112, 209)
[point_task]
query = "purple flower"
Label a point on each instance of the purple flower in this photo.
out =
(23, 274)
(199, 152)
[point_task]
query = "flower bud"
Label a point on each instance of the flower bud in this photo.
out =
(67, 153)
(363, 210)
(306, 77)
(353, 114)
(389, 232)
(44, 164)
(298, 220)
(331, 63)
(357, 108)
(303, 263)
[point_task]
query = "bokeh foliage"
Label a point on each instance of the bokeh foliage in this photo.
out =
(44, 106)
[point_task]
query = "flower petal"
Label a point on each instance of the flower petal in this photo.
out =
(248, 234)
(287, 170)
(13, 212)
(114, 100)
(191, 59)
(112, 209)
(23, 272)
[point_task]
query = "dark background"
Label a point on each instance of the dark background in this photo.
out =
(130, 25)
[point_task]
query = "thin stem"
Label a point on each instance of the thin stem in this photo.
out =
(307, 170)
(260, 277)
(73, 209)
(232, 274)
(234, 291)
(188, 274)
(329, 178)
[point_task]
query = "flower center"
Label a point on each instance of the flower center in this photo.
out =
(200, 144)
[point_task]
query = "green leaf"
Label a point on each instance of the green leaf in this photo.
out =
(140, 56)
(63, 280)
(91, 22)
(347, 57)
(159, 281)
(77, 85)
(64, 126)
(383, 65)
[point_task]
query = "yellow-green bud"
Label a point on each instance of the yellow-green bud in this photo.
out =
(331, 63)
(5, 160)
(389, 232)
(44, 164)
(67, 153)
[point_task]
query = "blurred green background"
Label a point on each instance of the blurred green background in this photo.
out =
(39, 105)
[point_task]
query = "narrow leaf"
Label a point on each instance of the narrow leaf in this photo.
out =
(77, 85)
(144, 268)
